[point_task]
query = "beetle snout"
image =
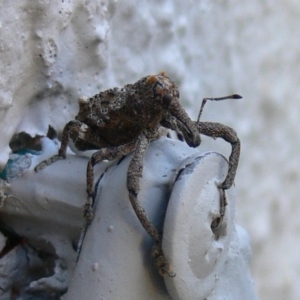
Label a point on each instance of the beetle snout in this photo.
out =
(194, 140)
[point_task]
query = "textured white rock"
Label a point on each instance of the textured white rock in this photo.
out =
(52, 53)
(210, 48)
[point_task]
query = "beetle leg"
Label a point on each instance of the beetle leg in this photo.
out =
(83, 137)
(108, 153)
(216, 130)
(62, 150)
(135, 171)
(73, 128)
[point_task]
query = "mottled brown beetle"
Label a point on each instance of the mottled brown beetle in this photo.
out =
(123, 120)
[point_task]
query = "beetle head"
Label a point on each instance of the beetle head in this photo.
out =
(163, 89)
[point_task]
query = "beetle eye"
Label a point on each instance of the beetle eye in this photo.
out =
(167, 99)
(157, 89)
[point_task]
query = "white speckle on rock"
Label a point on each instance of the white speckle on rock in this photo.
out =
(50, 50)
(95, 266)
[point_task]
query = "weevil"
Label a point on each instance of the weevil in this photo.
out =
(119, 121)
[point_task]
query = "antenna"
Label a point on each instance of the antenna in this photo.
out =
(234, 96)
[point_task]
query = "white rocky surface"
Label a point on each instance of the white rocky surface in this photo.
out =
(52, 52)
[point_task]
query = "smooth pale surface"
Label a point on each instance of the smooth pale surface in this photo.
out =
(115, 261)
(45, 208)
(198, 253)
(210, 264)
